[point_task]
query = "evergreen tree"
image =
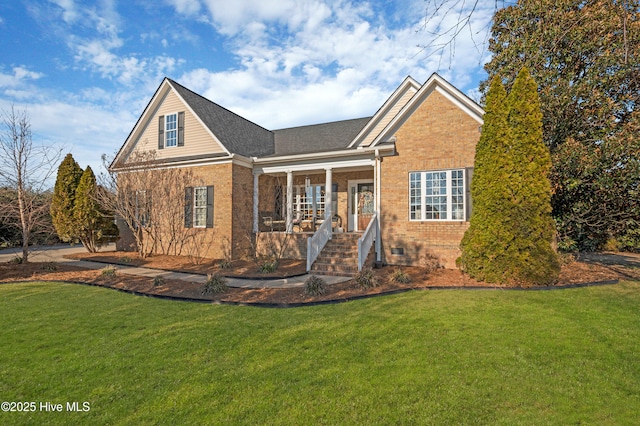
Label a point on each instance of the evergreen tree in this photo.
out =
(510, 236)
(535, 259)
(484, 245)
(93, 226)
(584, 55)
(64, 194)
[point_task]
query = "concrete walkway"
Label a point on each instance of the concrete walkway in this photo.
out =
(56, 254)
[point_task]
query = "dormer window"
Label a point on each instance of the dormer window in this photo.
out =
(171, 130)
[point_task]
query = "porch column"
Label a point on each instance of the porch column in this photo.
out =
(377, 187)
(289, 219)
(328, 195)
(256, 201)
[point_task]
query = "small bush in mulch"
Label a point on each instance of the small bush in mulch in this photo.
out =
(215, 284)
(268, 266)
(315, 286)
(109, 271)
(17, 260)
(158, 281)
(401, 277)
(49, 266)
(126, 259)
(429, 263)
(366, 278)
(224, 264)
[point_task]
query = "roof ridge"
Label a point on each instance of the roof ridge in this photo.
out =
(321, 124)
(172, 81)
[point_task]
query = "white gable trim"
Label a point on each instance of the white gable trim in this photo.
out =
(408, 84)
(146, 117)
(442, 86)
(215, 138)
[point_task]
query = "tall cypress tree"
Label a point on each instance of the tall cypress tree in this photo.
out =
(510, 236)
(535, 260)
(93, 225)
(486, 242)
(64, 194)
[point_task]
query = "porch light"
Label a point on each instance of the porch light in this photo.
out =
(307, 184)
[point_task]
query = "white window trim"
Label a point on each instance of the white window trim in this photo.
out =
(317, 204)
(166, 131)
(449, 195)
(196, 207)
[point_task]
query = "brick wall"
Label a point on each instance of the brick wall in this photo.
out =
(437, 136)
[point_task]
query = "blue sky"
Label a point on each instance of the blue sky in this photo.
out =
(85, 70)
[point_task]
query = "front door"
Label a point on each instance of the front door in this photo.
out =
(361, 205)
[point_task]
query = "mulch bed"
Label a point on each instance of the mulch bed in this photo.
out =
(572, 274)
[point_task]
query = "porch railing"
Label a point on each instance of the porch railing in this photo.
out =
(366, 241)
(316, 243)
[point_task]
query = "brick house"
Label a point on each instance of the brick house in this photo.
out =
(397, 184)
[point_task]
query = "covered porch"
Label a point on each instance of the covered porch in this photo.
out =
(309, 201)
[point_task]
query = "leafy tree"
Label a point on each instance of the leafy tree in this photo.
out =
(511, 232)
(92, 226)
(584, 56)
(64, 195)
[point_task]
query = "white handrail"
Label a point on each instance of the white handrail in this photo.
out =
(316, 243)
(366, 241)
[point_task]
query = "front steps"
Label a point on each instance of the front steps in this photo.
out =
(339, 257)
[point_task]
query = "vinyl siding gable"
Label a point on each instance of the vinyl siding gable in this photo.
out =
(197, 139)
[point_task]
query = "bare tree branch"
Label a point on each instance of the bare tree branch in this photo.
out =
(25, 168)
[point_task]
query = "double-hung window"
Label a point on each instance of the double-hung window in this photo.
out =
(171, 130)
(198, 207)
(437, 195)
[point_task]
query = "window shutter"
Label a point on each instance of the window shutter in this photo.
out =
(181, 129)
(209, 206)
(188, 207)
(161, 132)
(468, 174)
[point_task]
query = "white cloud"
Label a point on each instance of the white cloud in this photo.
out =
(18, 77)
(230, 17)
(185, 7)
(293, 63)
(335, 60)
(69, 12)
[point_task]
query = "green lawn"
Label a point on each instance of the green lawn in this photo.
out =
(424, 357)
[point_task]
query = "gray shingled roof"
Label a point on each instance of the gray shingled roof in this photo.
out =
(243, 137)
(237, 134)
(318, 137)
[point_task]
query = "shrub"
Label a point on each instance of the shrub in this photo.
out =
(49, 266)
(511, 231)
(224, 264)
(400, 276)
(566, 258)
(109, 271)
(158, 281)
(125, 259)
(315, 286)
(366, 278)
(215, 284)
(268, 266)
(17, 260)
